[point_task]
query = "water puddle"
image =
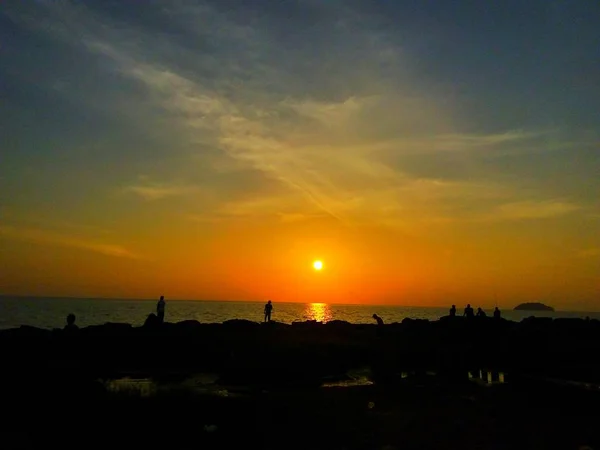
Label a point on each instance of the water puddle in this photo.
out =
(142, 387)
(352, 378)
(355, 382)
(207, 384)
(415, 374)
(204, 384)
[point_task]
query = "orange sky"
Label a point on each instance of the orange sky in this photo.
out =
(253, 260)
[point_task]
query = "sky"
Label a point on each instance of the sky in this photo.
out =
(428, 152)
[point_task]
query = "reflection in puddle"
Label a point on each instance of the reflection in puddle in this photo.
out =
(488, 377)
(362, 381)
(354, 378)
(144, 387)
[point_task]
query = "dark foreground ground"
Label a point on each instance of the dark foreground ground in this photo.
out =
(410, 415)
(53, 390)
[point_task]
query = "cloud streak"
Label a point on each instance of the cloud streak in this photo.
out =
(525, 210)
(152, 192)
(45, 237)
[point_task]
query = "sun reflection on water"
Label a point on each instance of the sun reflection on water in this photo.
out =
(318, 311)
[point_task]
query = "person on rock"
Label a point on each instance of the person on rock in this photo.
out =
(378, 319)
(453, 311)
(497, 313)
(468, 312)
(268, 311)
(481, 313)
(70, 326)
(160, 309)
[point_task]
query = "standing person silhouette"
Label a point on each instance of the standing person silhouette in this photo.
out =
(160, 309)
(268, 310)
(469, 312)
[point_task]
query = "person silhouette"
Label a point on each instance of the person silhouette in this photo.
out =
(453, 311)
(160, 309)
(70, 326)
(468, 311)
(268, 310)
(497, 313)
(481, 313)
(378, 319)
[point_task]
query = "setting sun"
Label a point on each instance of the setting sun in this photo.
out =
(318, 265)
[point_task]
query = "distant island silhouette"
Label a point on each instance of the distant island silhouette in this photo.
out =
(533, 307)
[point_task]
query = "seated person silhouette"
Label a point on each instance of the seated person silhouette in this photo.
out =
(453, 311)
(268, 310)
(378, 319)
(481, 313)
(70, 326)
(497, 313)
(468, 312)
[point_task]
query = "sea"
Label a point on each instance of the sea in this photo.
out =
(51, 313)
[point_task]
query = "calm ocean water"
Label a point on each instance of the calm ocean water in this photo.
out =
(51, 312)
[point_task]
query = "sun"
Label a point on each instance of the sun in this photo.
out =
(318, 265)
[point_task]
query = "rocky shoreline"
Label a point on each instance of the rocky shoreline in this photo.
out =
(52, 383)
(305, 352)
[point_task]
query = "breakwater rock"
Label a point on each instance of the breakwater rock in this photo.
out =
(274, 353)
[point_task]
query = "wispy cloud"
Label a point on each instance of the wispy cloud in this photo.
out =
(35, 220)
(339, 143)
(41, 236)
(159, 191)
(344, 180)
(533, 210)
(329, 113)
(286, 208)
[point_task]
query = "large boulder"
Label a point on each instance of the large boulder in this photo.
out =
(240, 324)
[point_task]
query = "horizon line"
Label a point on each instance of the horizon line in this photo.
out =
(55, 297)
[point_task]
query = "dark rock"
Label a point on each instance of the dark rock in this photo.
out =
(28, 331)
(339, 324)
(306, 324)
(537, 321)
(241, 324)
(274, 325)
(267, 352)
(109, 328)
(188, 324)
(151, 321)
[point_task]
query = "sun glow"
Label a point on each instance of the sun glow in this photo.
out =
(318, 311)
(318, 265)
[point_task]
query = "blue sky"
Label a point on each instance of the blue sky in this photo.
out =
(430, 118)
